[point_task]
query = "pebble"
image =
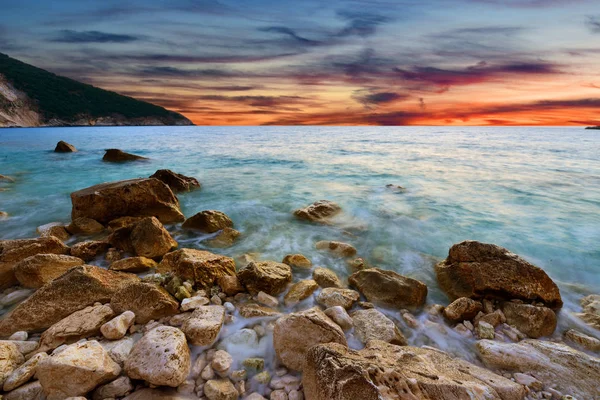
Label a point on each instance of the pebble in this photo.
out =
(221, 362)
(117, 327)
(262, 378)
(278, 395)
(267, 299)
(229, 306)
(207, 373)
(192, 303)
(21, 336)
(187, 387)
(295, 395)
(15, 297)
(216, 300)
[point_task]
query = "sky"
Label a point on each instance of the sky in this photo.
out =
(334, 62)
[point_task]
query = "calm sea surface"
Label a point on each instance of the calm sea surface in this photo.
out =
(535, 191)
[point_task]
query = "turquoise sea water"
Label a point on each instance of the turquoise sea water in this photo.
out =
(535, 191)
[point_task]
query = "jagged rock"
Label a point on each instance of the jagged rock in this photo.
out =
(554, 364)
(591, 310)
(30, 391)
(117, 327)
(55, 229)
(24, 373)
(116, 155)
(90, 249)
(202, 267)
(268, 276)
(221, 389)
(203, 327)
(485, 330)
(230, 285)
(480, 270)
(494, 318)
(123, 222)
(331, 297)
(462, 309)
(191, 303)
(40, 269)
(319, 211)
(131, 198)
(161, 357)
(79, 325)
(389, 289)
(338, 249)
(10, 359)
(581, 339)
(533, 321)
(255, 310)
(372, 324)
(326, 278)
(177, 182)
(118, 388)
(133, 264)
(85, 226)
(64, 147)
(150, 239)
(146, 300)
(300, 291)
(225, 238)
(295, 333)
(208, 221)
(76, 289)
(297, 261)
(339, 315)
(386, 371)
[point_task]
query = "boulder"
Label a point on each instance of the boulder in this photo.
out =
(386, 371)
(554, 364)
(55, 229)
(204, 325)
(300, 291)
(225, 238)
(150, 239)
(133, 264)
(220, 389)
(135, 197)
(116, 155)
(203, 267)
(297, 261)
(208, 221)
(326, 278)
(40, 269)
(146, 300)
(90, 249)
(389, 289)
(76, 289)
(338, 249)
(64, 147)
(533, 321)
(373, 325)
(76, 370)
(177, 182)
(319, 211)
(79, 325)
(30, 391)
(331, 297)
(480, 270)
(85, 226)
(268, 276)
(295, 333)
(24, 373)
(161, 357)
(462, 309)
(10, 359)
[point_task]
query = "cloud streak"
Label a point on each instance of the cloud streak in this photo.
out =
(71, 36)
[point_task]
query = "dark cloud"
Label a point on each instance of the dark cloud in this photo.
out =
(361, 23)
(162, 71)
(593, 23)
(369, 98)
(71, 36)
(258, 101)
(194, 59)
(291, 34)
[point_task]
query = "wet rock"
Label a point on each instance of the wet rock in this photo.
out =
(297, 261)
(202, 267)
(64, 147)
(374, 325)
(339, 315)
(90, 249)
(225, 238)
(386, 371)
(55, 229)
(40, 269)
(147, 301)
(85, 226)
(76, 289)
(118, 388)
(204, 325)
(76, 370)
(177, 182)
(133, 264)
(295, 333)
(326, 278)
(389, 289)
(268, 276)
(79, 325)
(135, 198)
(533, 321)
(591, 310)
(319, 211)
(116, 155)
(123, 222)
(30, 391)
(554, 364)
(462, 309)
(267, 300)
(161, 357)
(256, 311)
(10, 359)
(24, 373)
(331, 297)
(300, 291)
(480, 270)
(230, 285)
(150, 239)
(338, 249)
(4, 178)
(208, 221)
(117, 327)
(484, 330)
(581, 339)
(119, 350)
(221, 389)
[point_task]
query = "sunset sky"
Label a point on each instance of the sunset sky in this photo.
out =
(335, 62)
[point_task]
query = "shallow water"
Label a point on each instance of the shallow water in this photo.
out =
(535, 191)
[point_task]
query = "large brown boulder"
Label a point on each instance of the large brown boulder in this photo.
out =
(208, 221)
(36, 271)
(480, 270)
(64, 147)
(533, 321)
(319, 211)
(116, 155)
(386, 371)
(78, 288)
(389, 289)
(135, 197)
(177, 182)
(267, 276)
(147, 301)
(203, 267)
(150, 239)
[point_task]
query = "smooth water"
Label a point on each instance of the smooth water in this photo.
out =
(535, 191)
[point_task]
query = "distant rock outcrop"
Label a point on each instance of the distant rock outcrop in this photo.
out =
(116, 155)
(64, 147)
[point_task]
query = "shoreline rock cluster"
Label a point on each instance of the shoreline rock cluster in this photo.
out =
(164, 322)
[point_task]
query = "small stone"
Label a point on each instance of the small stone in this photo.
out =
(147, 301)
(255, 396)
(24, 373)
(267, 300)
(90, 249)
(118, 388)
(300, 291)
(339, 315)
(15, 297)
(113, 255)
(20, 335)
(216, 300)
(587, 342)
(230, 285)
(192, 303)
(221, 389)
(207, 373)
(133, 264)
(255, 310)
(462, 309)
(267, 276)
(55, 229)
(119, 350)
(295, 395)
(484, 330)
(29, 391)
(203, 327)
(338, 249)
(117, 327)
(326, 278)
(262, 378)
(529, 381)
(297, 261)
(331, 297)
(496, 318)
(254, 364)
(221, 362)
(278, 395)
(85, 226)
(374, 325)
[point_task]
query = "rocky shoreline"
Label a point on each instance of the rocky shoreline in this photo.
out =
(164, 322)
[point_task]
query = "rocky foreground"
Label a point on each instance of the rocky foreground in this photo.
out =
(163, 322)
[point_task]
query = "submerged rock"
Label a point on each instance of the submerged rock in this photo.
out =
(389, 289)
(203, 267)
(385, 371)
(135, 198)
(177, 182)
(533, 321)
(40, 269)
(225, 238)
(338, 249)
(374, 325)
(147, 301)
(208, 221)
(319, 211)
(64, 147)
(116, 155)
(268, 276)
(480, 270)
